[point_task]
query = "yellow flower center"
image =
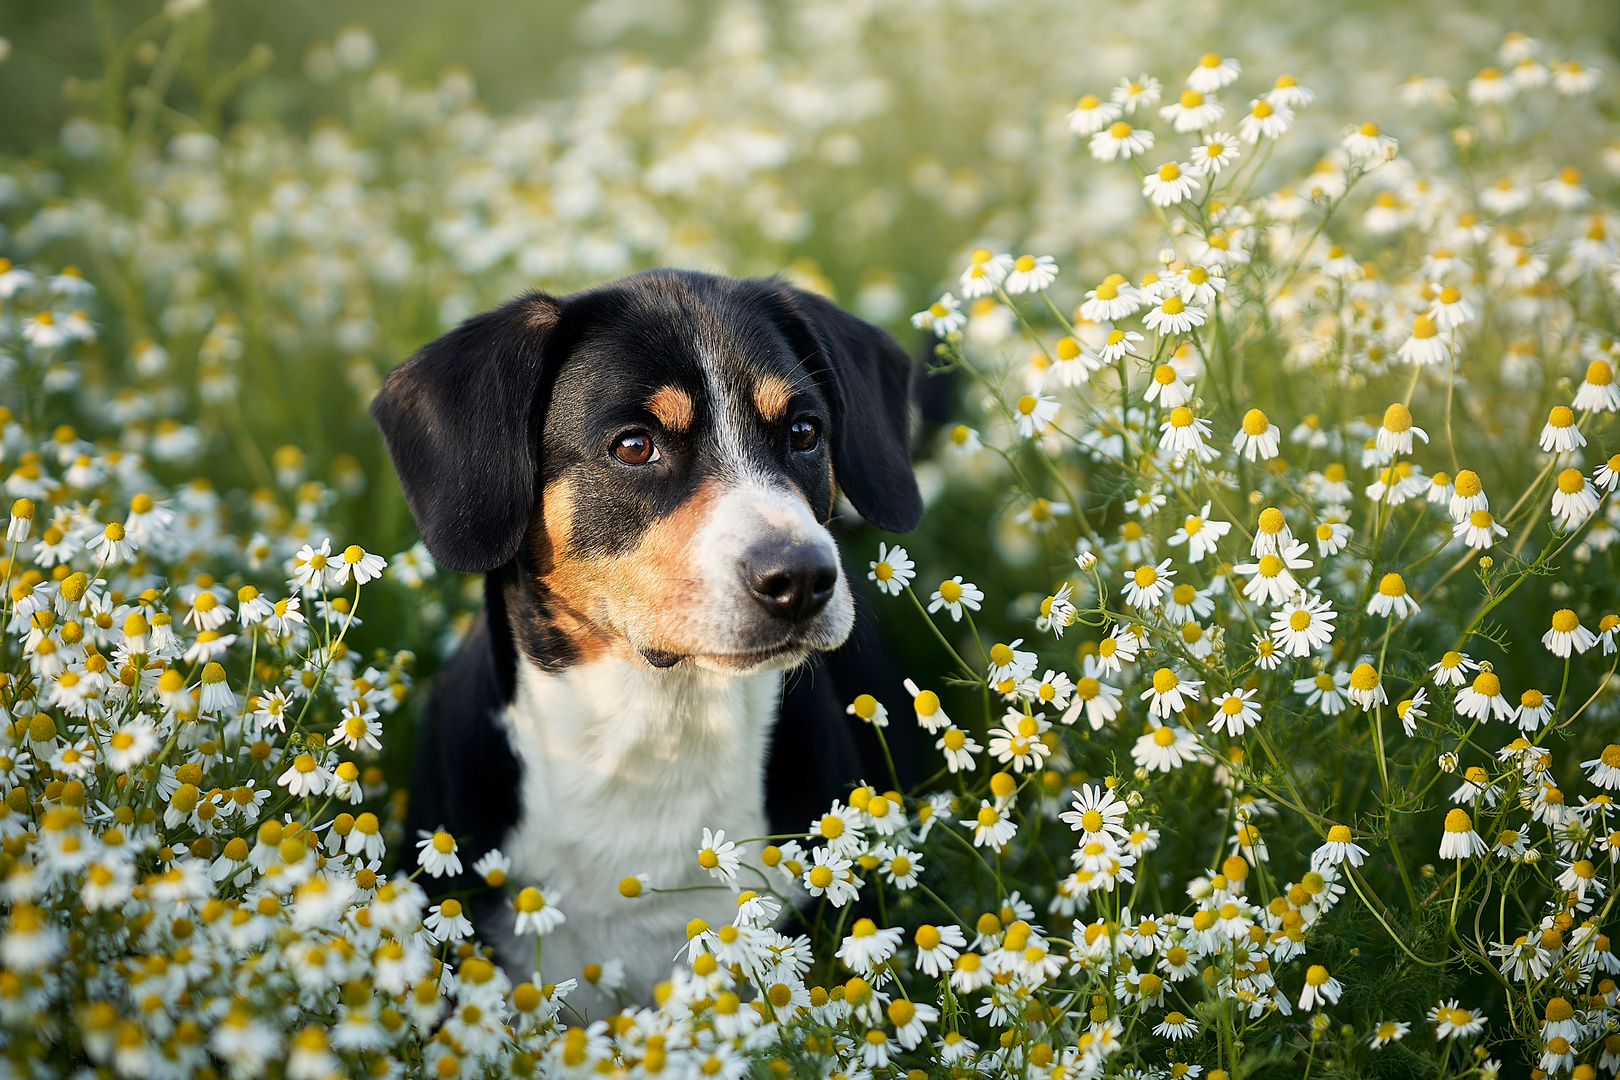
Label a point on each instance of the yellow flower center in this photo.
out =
(1255, 422)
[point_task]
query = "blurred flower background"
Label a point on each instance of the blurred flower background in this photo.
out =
(221, 223)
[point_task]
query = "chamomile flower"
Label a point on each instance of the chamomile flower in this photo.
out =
(1146, 585)
(992, 828)
(1214, 72)
(869, 709)
(537, 912)
(1484, 698)
(1412, 710)
(1271, 580)
(1566, 633)
(1169, 693)
(1164, 747)
(1257, 437)
(1119, 647)
(1271, 534)
(1193, 110)
(720, 857)
(1264, 120)
(355, 563)
(1009, 663)
(1459, 840)
(1449, 1019)
(1034, 414)
(1479, 529)
(937, 948)
(925, 703)
(892, 570)
(1324, 690)
(1367, 143)
(985, 273)
(1168, 388)
(1559, 434)
(1365, 688)
(1574, 500)
(1467, 495)
(1030, 273)
(1200, 533)
(1597, 390)
(1183, 432)
(1425, 347)
(1286, 90)
(1120, 141)
(436, 852)
(1117, 345)
(1113, 299)
(1091, 114)
(1450, 309)
(1215, 153)
(1395, 436)
(1176, 1026)
(959, 749)
(1173, 315)
(1392, 599)
(944, 317)
(1057, 611)
(1235, 712)
(1141, 92)
(1097, 700)
(866, 947)
(1320, 988)
(1170, 184)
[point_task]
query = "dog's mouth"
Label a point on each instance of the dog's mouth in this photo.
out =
(794, 648)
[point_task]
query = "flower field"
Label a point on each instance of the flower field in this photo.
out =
(1261, 630)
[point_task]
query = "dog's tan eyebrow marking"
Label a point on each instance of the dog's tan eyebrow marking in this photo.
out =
(672, 406)
(771, 396)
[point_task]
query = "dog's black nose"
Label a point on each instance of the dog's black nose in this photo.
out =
(792, 580)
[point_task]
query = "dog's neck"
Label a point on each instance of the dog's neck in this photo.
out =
(624, 766)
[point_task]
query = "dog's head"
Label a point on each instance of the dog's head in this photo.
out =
(660, 455)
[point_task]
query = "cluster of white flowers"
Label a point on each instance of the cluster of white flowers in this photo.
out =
(196, 829)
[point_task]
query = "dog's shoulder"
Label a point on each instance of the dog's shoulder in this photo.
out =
(465, 776)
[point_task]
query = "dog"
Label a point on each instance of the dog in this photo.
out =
(645, 472)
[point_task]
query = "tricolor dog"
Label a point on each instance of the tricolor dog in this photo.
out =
(645, 472)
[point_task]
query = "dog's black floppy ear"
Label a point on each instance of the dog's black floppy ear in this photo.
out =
(866, 376)
(459, 418)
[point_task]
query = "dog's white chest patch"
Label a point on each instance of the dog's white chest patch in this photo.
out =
(623, 769)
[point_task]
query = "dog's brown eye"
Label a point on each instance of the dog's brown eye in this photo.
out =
(804, 434)
(635, 449)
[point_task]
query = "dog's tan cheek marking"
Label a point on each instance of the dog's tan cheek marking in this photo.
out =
(657, 586)
(672, 406)
(771, 396)
(649, 591)
(569, 581)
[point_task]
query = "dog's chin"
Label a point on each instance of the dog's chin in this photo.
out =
(781, 653)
